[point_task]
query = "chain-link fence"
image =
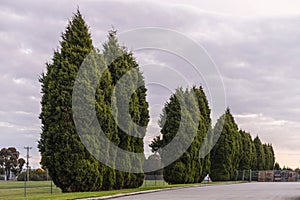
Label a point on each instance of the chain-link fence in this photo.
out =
(246, 175)
(19, 189)
(28, 183)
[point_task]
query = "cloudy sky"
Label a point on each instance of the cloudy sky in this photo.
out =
(254, 44)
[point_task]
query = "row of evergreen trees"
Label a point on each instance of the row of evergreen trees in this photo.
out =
(70, 164)
(234, 149)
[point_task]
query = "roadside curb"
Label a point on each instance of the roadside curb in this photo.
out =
(153, 191)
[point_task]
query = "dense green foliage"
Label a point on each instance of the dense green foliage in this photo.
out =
(120, 61)
(235, 150)
(204, 129)
(269, 157)
(69, 163)
(247, 151)
(277, 166)
(226, 154)
(156, 144)
(189, 168)
(260, 153)
(179, 171)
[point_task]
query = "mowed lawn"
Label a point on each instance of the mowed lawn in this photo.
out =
(42, 190)
(15, 189)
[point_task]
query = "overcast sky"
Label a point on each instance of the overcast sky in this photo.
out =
(254, 44)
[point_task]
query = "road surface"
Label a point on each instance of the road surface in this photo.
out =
(244, 191)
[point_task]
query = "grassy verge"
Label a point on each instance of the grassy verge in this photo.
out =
(154, 183)
(20, 184)
(41, 190)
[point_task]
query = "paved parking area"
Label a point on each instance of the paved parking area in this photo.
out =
(244, 191)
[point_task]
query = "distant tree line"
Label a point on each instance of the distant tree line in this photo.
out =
(34, 175)
(234, 150)
(10, 162)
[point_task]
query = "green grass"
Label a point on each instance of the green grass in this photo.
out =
(154, 183)
(15, 189)
(41, 190)
(20, 184)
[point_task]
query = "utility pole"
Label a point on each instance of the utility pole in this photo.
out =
(27, 158)
(27, 166)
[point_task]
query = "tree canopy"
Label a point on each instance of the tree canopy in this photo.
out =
(10, 162)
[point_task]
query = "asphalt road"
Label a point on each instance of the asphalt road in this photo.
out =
(244, 191)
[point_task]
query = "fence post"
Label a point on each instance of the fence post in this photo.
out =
(25, 177)
(51, 190)
(250, 177)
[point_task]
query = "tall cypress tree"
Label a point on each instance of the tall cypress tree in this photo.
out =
(108, 125)
(247, 151)
(189, 168)
(169, 122)
(260, 154)
(269, 157)
(205, 130)
(70, 165)
(180, 111)
(272, 162)
(254, 157)
(225, 155)
(120, 61)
